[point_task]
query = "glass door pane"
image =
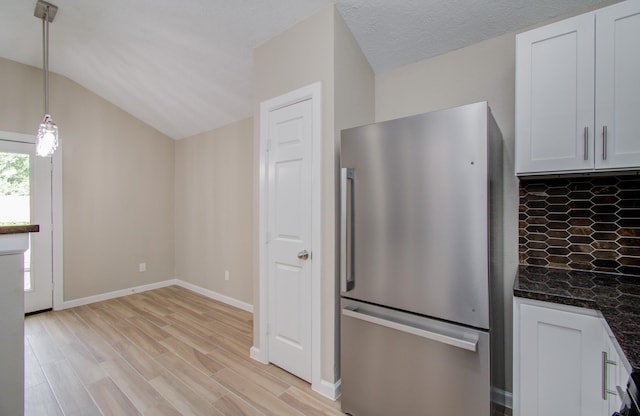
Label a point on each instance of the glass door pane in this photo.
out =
(15, 190)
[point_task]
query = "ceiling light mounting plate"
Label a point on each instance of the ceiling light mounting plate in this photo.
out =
(41, 10)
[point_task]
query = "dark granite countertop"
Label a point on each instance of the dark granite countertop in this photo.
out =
(616, 296)
(19, 229)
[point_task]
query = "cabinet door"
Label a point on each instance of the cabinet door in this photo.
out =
(618, 86)
(614, 376)
(554, 97)
(560, 357)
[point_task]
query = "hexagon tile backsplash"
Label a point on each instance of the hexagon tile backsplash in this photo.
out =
(590, 223)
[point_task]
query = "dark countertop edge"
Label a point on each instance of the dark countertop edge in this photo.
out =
(560, 299)
(19, 229)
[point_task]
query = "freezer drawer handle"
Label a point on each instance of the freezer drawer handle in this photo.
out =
(347, 280)
(470, 344)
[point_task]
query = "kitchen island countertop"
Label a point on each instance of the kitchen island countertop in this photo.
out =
(616, 296)
(19, 229)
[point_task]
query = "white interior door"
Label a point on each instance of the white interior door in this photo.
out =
(289, 237)
(25, 197)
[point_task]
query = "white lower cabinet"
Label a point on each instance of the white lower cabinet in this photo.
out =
(563, 362)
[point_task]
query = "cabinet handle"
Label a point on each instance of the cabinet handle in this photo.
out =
(604, 142)
(347, 265)
(605, 375)
(586, 143)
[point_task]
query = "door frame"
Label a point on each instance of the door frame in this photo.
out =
(260, 351)
(56, 214)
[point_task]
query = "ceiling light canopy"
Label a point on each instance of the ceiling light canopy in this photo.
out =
(47, 136)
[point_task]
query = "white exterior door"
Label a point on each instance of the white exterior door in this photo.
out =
(289, 326)
(29, 205)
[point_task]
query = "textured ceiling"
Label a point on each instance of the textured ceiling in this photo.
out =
(392, 33)
(184, 67)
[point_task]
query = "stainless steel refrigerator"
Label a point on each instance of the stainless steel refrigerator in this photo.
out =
(421, 201)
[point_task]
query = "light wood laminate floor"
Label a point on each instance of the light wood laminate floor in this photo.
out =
(168, 351)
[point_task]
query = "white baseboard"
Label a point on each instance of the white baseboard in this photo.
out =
(328, 389)
(116, 294)
(215, 296)
(256, 354)
(139, 289)
(503, 398)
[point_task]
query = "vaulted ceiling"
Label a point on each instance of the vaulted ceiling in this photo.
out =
(185, 66)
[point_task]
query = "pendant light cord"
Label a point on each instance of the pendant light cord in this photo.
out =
(45, 58)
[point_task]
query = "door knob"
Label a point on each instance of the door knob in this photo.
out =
(303, 254)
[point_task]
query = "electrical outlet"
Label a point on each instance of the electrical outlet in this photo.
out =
(226, 275)
(142, 267)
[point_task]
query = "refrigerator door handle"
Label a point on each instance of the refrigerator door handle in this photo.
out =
(347, 269)
(469, 343)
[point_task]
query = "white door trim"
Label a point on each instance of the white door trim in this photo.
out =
(56, 207)
(260, 352)
(56, 229)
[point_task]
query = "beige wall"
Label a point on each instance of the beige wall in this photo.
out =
(481, 72)
(117, 183)
(213, 210)
(302, 55)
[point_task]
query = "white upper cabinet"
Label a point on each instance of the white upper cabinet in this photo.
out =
(554, 96)
(618, 86)
(578, 93)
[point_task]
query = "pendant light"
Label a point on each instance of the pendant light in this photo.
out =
(47, 136)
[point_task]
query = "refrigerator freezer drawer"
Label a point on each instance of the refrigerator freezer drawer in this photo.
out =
(465, 341)
(395, 363)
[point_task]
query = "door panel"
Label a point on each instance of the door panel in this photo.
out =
(288, 284)
(289, 228)
(288, 210)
